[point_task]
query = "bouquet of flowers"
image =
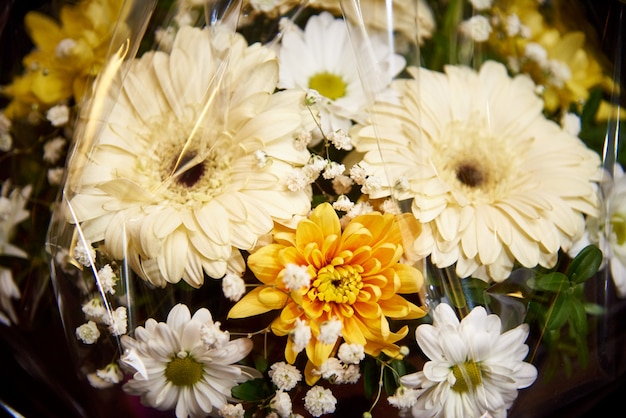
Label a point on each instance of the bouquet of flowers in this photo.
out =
(293, 208)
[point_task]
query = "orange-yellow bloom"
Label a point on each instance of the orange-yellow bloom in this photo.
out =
(356, 278)
(68, 54)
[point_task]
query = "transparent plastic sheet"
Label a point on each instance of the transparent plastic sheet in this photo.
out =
(571, 381)
(149, 256)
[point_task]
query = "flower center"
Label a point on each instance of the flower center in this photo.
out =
(470, 174)
(340, 284)
(196, 176)
(479, 167)
(328, 85)
(467, 375)
(618, 225)
(183, 371)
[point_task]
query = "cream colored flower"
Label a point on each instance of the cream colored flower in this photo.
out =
(492, 180)
(172, 182)
(375, 15)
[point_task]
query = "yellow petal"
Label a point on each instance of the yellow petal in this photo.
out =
(249, 305)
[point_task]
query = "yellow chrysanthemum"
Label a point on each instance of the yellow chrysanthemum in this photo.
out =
(567, 70)
(67, 54)
(356, 278)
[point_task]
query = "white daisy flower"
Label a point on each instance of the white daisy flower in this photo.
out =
(175, 370)
(492, 180)
(321, 58)
(173, 182)
(473, 367)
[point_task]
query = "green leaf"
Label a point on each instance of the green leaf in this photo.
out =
(252, 390)
(594, 309)
(585, 265)
(370, 377)
(578, 317)
(559, 312)
(391, 375)
(551, 282)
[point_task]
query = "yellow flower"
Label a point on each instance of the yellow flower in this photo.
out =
(67, 54)
(569, 68)
(356, 278)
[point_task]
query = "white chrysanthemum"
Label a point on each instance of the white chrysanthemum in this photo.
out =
(473, 368)
(172, 181)
(321, 58)
(175, 370)
(492, 180)
(608, 231)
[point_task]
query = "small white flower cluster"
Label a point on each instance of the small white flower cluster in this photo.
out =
(300, 335)
(58, 115)
(232, 411)
(296, 277)
(8, 291)
(403, 398)
(12, 212)
(212, 336)
(53, 151)
(233, 286)
(345, 368)
(6, 139)
(319, 401)
(106, 377)
(285, 377)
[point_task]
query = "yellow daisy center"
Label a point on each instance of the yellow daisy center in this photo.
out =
(328, 85)
(618, 224)
(338, 284)
(467, 375)
(183, 371)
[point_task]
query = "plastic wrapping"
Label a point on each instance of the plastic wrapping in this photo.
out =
(332, 207)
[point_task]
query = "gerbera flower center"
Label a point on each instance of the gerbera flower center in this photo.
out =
(472, 161)
(467, 375)
(183, 371)
(470, 174)
(338, 284)
(328, 85)
(198, 175)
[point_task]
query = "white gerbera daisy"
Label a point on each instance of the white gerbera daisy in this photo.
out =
(321, 58)
(174, 369)
(172, 182)
(473, 368)
(492, 180)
